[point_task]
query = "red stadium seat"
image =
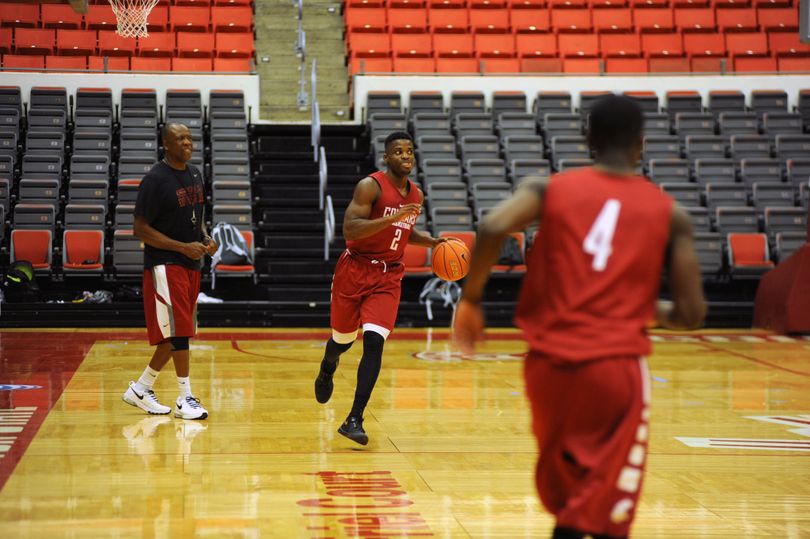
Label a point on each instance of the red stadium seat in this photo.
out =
(626, 65)
(23, 61)
(232, 19)
(468, 237)
(731, 3)
(34, 40)
(706, 64)
(157, 44)
(787, 44)
(6, 39)
(145, 63)
(654, 20)
(606, 4)
(457, 65)
(500, 65)
(364, 3)
(567, 4)
(190, 2)
(416, 260)
(82, 42)
(578, 45)
(526, 4)
(494, 45)
(613, 20)
(620, 45)
(656, 45)
(20, 15)
(60, 16)
(487, 4)
(190, 18)
(581, 65)
(540, 65)
(647, 4)
(111, 44)
(159, 19)
(414, 65)
(234, 45)
(447, 4)
(707, 45)
(773, 4)
(448, 20)
(370, 19)
(405, 4)
(755, 64)
(32, 245)
(370, 65)
(747, 44)
(100, 17)
(192, 44)
(669, 65)
(789, 64)
(748, 251)
(489, 21)
(411, 45)
(737, 20)
(690, 3)
(232, 65)
(536, 45)
(695, 19)
(83, 251)
(778, 19)
(453, 45)
(369, 45)
(192, 64)
(66, 62)
(525, 21)
(402, 21)
(114, 63)
(571, 20)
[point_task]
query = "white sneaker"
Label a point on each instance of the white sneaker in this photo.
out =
(189, 408)
(146, 401)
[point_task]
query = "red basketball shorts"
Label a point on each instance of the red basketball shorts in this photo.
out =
(591, 424)
(364, 292)
(170, 302)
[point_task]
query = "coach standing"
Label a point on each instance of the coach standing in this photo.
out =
(169, 221)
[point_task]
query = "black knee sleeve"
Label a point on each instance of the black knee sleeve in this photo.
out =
(179, 343)
(332, 354)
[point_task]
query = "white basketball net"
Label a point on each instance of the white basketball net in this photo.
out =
(132, 16)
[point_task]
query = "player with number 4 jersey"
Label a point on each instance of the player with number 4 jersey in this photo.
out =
(593, 275)
(377, 226)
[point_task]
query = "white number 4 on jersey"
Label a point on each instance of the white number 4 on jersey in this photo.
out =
(599, 241)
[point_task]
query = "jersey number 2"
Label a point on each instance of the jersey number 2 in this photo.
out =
(599, 241)
(397, 237)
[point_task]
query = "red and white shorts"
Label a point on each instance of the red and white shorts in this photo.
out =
(591, 423)
(170, 302)
(364, 292)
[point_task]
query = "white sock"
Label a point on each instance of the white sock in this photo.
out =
(184, 385)
(147, 379)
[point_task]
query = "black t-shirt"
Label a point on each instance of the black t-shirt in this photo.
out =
(171, 201)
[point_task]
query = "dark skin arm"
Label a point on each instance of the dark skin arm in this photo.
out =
(512, 215)
(420, 237)
(356, 222)
(688, 308)
(151, 236)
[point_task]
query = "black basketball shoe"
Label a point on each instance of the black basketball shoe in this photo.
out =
(352, 429)
(324, 386)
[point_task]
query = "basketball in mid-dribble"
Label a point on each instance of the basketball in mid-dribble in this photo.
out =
(451, 260)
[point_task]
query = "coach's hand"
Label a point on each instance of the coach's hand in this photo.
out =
(194, 250)
(468, 325)
(405, 211)
(210, 245)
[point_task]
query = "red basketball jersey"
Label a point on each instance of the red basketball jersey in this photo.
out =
(387, 245)
(595, 268)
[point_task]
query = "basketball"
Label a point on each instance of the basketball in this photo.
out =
(451, 260)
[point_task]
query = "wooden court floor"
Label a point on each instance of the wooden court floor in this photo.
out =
(450, 454)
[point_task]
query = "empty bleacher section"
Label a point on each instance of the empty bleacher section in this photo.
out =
(183, 36)
(72, 172)
(726, 161)
(574, 36)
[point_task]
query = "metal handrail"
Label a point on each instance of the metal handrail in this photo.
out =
(329, 227)
(323, 176)
(315, 137)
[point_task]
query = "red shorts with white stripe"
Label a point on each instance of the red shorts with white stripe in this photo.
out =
(591, 424)
(170, 302)
(364, 291)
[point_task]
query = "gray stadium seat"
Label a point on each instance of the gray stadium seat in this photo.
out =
(444, 219)
(93, 120)
(721, 101)
(5, 196)
(760, 170)
(750, 147)
(462, 101)
(694, 124)
(230, 168)
(523, 147)
(139, 120)
(128, 191)
(85, 216)
(521, 168)
(227, 100)
(239, 215)
(34, 216)
(224, 121)
(94, 98)
(701, 222)
(39, 192)
(781, 123)
(587, 99)
(704, 147)
(648, 101)
(479, 147)
(124, 216)
(688, 101)
(52, 97)
(441, 170)
(554, 102)
(727, 195)
(714, 171)
(92, 142)
(782, 219)
(769, 101)
(11, 97)
(686, 194)
(141, 143)
(387, 122)
(489, 195)
(709, 249)
(787, 243)
(88, 191)
(736, 219)
(770, 194)
(515, 123)
(134, 166)
(45, 119)
(668, 170)
(792, 146)
(45, 142)
(798, 171)
(661, 147)
(383, 101)
(656, 124)
(557, 124)
(42, 167)
(571, 163)
(10, 119)
(89, 167)
(447, 194)
(485, 171)
(231, 192)
(436, 147)
(508, 102)
(568, 148)
(127, 253)
(466, 124)
(431, 123)
(738, 123)
(428, 101)
(229, 145)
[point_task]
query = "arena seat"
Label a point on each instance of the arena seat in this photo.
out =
(34, 246)
(242, 270)
(416, 260)
(83, 251)
(748, 255)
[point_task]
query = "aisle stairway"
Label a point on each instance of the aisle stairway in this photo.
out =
(276, 30)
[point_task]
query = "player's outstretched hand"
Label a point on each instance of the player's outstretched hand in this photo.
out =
(468, 326)
(194, 250)
(407, 210)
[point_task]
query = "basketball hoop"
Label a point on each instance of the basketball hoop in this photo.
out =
(132, 16)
